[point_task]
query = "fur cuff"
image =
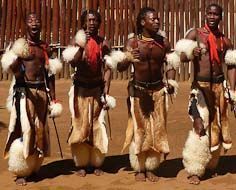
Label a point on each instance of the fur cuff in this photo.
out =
(230, 57)
(80, 38)
(55, 66)
(109, 100)
(173, 61)
(232, 95)
(187, 46)
(196, 154)
(21, 48)
(174, 84)
(8, 58)
(227, 146)
(69, 53)
(55, 109)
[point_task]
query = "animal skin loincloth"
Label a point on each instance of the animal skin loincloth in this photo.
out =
(28, 120)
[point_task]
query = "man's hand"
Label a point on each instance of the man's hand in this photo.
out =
(136, 54)
(87, 35)
(170, 89)
(197, 51)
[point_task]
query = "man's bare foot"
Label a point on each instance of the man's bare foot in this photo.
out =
(21, 181)
(140, 176)
(194, 179)
(98, 172)
(81, 172)
(152, 177)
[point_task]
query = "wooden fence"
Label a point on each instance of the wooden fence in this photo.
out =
(60, 21)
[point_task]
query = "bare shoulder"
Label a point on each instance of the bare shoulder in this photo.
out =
(228, 43)
(106, 43)
(191, 34)
(167, 45)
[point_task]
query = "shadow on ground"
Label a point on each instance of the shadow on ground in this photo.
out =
(226, 165)
(54, 169)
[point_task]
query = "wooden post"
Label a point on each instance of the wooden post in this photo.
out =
(48, 34)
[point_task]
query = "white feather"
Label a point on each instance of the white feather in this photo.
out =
(55, 66)
(80, 38)
(69, 53)
(230, 57)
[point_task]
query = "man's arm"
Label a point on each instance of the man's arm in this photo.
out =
(106, 49)
(132, 53)
(192, 35)
(231, 69)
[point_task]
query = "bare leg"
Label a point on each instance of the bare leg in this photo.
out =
(21, 181)
(81, 172)
(140, 176)
(151, 176)
(194, 179)
(98, 172)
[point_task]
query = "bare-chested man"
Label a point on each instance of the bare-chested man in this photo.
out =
(207, 48)
(147, 102)
(33, 71)
(89, 95)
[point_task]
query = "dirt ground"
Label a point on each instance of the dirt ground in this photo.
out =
(58, 174)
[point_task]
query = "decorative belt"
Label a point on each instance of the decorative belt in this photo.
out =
(214, 79)
(148, 85)
(89, 85)
(30, 84)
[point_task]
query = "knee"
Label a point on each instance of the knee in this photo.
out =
(152, 161)
(80, 154)
(97, 158)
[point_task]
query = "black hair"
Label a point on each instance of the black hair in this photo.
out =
(93, 12)
(141, 15)
(30, 14)
(217, 6)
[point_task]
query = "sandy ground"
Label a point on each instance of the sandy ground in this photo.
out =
(58, 174)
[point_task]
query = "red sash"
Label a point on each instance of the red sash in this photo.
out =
(214, 57)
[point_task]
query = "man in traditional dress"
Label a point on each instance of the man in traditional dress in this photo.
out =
(31, 92)
(88, 96)
(146, 133)
(207, 48)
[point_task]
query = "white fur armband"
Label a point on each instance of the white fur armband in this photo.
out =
(109, 100)
(8, 58)
(173, 61)
(174, 84)
(80, 38)
(55, 66)
(21, 48)
(115, 57)
(118, 56)
(69, 53)
(55, 109)
(230, 57)
(187, 46)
